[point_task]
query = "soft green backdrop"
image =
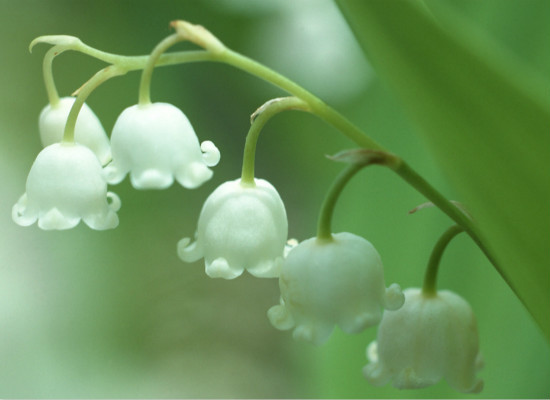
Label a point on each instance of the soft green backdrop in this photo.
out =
(117, 314)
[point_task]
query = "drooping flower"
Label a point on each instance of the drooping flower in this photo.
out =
(332, 282)
(240, 227)
(88, 129)
(66, 184)
(155, 143)
(429, 338)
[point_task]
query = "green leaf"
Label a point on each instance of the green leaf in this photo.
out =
(486, 118)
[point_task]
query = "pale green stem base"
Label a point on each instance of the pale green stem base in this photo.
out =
(429, 288)
(324, 225)
(258, 121)
(146, 75)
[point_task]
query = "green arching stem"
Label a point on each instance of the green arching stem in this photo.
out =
(357, 159)
(454, 212)
(430, 278)
(227, 56)
(317, 107)
(83, 93)
(51, 90)
(258, 120)
(146, 75)
(324, 230)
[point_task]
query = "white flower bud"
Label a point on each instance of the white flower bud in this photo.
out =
(154, 143)
(88, 130)
(66, 184)
(332, 282)
(240, 227)
(429, 338)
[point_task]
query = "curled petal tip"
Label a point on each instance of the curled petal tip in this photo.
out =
(189, 252)
(211, 154)
(113, 201)
(112, 174)
(280, 318)
(19, 214)
(394, 297)
(478, 387)
(372, 352)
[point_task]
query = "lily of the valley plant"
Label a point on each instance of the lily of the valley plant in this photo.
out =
(331, 279)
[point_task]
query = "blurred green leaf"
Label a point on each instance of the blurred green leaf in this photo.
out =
(486, 118)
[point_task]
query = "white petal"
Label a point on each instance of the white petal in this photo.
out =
(211, 154)
(266, 268)
(54, 219)
(113, 201)
(317, 334)
(189, 252)
(360, 321)
(375, 374)
(193, 175)
(113, 174)
(101, 221)
(394, 297)
(280, 318)
(219, 268)
(151, 179)
(372, 352)
(21, 214)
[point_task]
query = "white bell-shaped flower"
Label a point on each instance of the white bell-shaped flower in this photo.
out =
(429, 338)
(332, 282)
(240, 227)
(88, 130)
(154, 143)
(66, 184)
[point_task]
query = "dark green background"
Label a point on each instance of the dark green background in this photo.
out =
(117, 314)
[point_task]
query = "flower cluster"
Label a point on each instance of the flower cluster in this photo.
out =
(67, 183)
(332, 279)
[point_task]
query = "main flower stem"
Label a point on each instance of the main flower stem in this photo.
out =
(317, 107)
(258, 121)
(430, 279)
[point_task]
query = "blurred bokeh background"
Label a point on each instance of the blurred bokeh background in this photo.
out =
(117, 314)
